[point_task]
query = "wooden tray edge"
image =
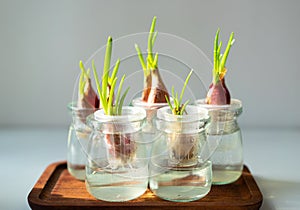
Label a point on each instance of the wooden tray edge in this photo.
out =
(34, 197)
(47, 178)
(257, 197)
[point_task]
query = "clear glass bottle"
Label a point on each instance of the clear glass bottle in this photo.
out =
(78, 137)
(227, 158)
(178, 171)
(117, 167)
(149, 130)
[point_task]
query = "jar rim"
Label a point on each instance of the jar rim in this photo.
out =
(195, 113)
(138, 102)
(72, 106)
(129, 114)
(235, 105)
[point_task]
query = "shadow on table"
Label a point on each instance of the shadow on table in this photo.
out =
(279, 194)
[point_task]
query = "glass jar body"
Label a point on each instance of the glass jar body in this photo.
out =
(227, 158)
(117, 167)
(149, 129)
(150, 133)
(78, 137)
(178, 172)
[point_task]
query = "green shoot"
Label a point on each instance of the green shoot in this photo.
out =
(84, 77)
(120, 103)
(106, 65)
(150, 38)
(151, 63)
(179, 108)
(219, 70)
(110, 98)
(154, 87)
(140, 55)
(114, 72)
(109, 83)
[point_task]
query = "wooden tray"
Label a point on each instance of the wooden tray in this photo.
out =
(57, 189)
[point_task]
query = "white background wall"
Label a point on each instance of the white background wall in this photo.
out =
(41, 43)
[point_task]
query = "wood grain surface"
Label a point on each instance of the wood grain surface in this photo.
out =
(57, 189)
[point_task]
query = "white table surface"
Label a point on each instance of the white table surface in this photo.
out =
(272, 155)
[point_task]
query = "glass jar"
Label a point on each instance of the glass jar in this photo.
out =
(151, 109)
(227, 158)
(78, 137)
(117, 167)
(178, 171)
(149, 130)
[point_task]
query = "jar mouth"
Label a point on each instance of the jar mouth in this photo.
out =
(194, 113)
(129, 114)
(138, 102)
(235, 106)
(72, 106)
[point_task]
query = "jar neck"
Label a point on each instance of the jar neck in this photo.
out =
(180, 127)
(223, 127)
(131, 121)
(79, 114)
(193, 122)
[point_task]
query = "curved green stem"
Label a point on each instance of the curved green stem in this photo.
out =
(106, 93)
(109, 110)
(150, 38)
(120, 105)
(219, 59)
(140, 55)
(106, 66)
(216, 56)
(179, 108)
(84, 76)
(224, 58)
(184, 86)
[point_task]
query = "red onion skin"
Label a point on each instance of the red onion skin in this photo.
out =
(218, 94)
(147, 88)
(120, 146)
(89, 100)
(155, 90)
(157, 95)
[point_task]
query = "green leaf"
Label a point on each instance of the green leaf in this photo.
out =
(153, 25)
(140, 55)
(88, 72)
(115, 71)
(96, 79)
(217, 49)
(111, 96)
(216, 45)
(183, 107)
(81, 85)
(103, 103)
(168, 101)
(174, 96)
(150, 63)
(106, 91)
(84, 76)
(155, 60)
(178, 108)
(106, 66)
(119, 89)
(120, 105)
(224, 58)
(173, 92)
(83, 69)
(150, 37)
(184, 85)
(154, 38)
